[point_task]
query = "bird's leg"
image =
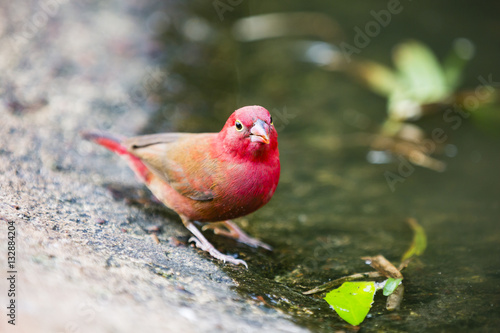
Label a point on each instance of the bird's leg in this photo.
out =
(202, 243)
(231, 230)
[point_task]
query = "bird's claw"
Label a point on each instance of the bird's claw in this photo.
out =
(216, 254)
(231, 230)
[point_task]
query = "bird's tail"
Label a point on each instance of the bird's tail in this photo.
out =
(106, 140)
(115, 145)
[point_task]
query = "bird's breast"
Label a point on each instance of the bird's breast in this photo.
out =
(245, 187)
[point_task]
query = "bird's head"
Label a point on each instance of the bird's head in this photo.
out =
(249, 130)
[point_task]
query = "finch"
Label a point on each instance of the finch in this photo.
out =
(208, 177)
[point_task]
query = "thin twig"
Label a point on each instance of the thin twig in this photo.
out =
(341, 280)
(394, 300)
(383, 266)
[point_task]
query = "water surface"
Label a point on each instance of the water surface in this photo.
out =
(332, 206)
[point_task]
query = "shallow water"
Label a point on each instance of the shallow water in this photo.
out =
(332, 206)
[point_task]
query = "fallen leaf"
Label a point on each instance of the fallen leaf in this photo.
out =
(352, 300)
(419, 242)
(391, 285)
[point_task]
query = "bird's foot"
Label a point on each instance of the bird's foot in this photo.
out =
(203, 244)
(231, 230)
(216, 254)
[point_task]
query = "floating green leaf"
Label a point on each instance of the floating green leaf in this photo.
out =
(453, 66)
(419, 243)
(379, 78)
(422, 80)
(391, 285)
(420, 71)
(487, 118)
(352, 300)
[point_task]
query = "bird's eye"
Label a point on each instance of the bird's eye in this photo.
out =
(239, 125)
(271, 120)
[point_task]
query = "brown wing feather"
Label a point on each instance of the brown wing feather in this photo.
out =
(179, 159)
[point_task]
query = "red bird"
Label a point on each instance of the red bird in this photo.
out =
(208, 177)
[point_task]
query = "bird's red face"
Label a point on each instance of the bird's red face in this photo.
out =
(250, 130)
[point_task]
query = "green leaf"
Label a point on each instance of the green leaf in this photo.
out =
(487, 117)
(421, 72)
(352, 300)
(421, 81)
(379, 78)
(419, 243)
(391, 285)
(453, 66)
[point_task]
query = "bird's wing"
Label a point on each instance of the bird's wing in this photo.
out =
(181, 159)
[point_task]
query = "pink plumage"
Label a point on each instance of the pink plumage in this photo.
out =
(208, 177)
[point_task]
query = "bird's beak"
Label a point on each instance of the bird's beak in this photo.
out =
(259, 132)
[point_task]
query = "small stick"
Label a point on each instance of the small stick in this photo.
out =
(384, 266)
(404, 264)
(341, 280)
(394, 300)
